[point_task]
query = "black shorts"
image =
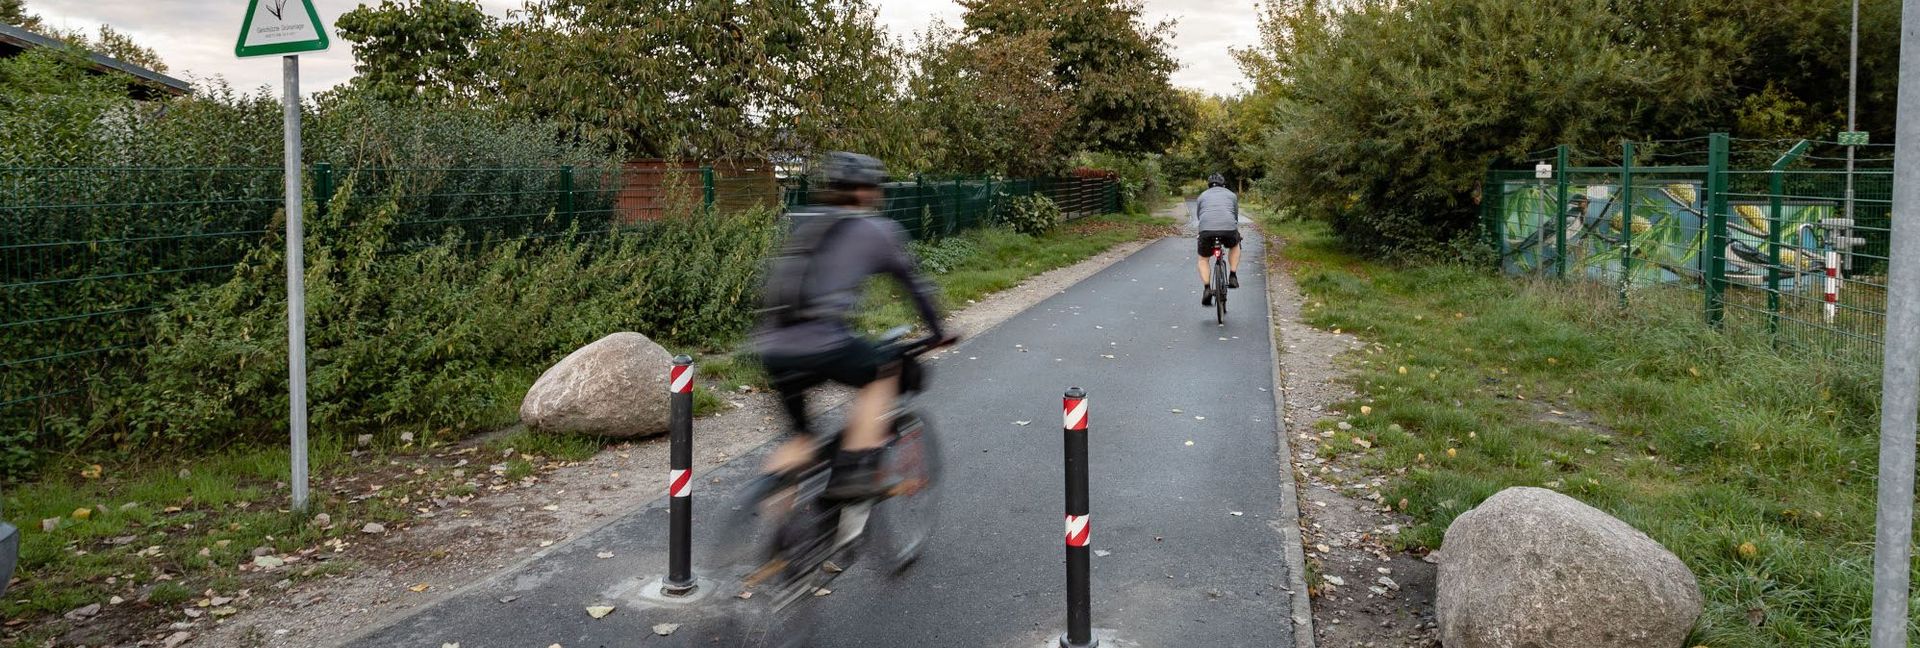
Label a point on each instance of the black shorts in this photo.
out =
(853, 365)
(1228, 239)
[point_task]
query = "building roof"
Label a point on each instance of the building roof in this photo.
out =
(152, 85)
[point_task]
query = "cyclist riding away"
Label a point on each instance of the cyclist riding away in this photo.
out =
(1217, 214)
(804, 338)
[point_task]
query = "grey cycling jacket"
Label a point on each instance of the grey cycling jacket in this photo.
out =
(1217, 210)
(861, 245)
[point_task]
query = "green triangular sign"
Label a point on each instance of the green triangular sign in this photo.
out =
(280, 27)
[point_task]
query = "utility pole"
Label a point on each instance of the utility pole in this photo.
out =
(1853, 95)
(1900, 378)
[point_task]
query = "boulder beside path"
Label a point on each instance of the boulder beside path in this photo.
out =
(1532, 568)
(615, 387)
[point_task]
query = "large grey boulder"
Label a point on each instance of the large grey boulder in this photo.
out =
(615, 387)
(1531, 568)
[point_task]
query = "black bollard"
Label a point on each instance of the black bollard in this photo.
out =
(679, 581)
(1079, 526)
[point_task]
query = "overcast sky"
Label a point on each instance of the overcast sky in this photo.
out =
(195, 37)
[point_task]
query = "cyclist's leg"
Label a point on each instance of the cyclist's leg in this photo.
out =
(855, 466)
(792, 381)
(1233, 255)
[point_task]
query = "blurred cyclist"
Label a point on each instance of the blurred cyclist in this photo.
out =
(804, 337)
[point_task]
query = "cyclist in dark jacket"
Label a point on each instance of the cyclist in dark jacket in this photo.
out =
(805, 338)
(1217, 215)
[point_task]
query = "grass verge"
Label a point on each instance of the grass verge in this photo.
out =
(1755, 466)
(166, 535)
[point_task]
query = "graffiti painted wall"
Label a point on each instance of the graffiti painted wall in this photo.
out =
(1658, 239)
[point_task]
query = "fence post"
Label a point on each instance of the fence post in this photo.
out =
(1776, 187)
(679, 581)
(566, 192)
(1716, 228)
(322, 187)
(1492, 199)
(1626, 220)
(1560, 220)
(706, 188)
(1079, 632)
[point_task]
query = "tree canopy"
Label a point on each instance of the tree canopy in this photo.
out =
(1114, 66)
(989, 105)
(431, 49)
(1381, 116)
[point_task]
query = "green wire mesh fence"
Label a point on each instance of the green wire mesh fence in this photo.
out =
(1788, 236)
(87, 254)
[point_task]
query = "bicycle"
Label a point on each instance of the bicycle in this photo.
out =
(1219, 284)
(810, 540)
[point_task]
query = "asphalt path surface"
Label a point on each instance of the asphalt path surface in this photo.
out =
(1185, 505)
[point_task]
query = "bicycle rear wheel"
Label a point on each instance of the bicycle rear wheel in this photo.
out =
(1219, 292)
(903, 523)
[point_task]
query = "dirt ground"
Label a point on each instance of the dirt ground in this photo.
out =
(1365, 594)
(460, 542)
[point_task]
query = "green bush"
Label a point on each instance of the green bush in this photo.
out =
(437, 340)
(943, 255)
(1031, 215)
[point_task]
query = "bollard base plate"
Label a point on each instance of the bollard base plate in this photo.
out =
(658, 592)
(1102, 638)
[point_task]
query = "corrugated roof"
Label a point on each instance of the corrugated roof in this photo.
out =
(20, 40)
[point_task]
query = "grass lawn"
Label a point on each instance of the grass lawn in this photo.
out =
(167, 533)
(1755, 466)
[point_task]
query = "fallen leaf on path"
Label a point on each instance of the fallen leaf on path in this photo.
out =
(664, 629)
(267, 562)
(1362, 442)
(1022, 423)
(604, 555)
(1102, 553)
(1199, 418)
(421, 587)
(1323, 548)
(82, 514)
(822, 592)
(508, 598)
(1366, 409)
(91, 472)
(1335, 581)
(550, 507)
(1236, 513)
(744, 595)
(599, 611)
(374, 527)
(1189, 442)
(49, 524)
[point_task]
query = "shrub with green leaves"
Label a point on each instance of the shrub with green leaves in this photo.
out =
(1031, 215)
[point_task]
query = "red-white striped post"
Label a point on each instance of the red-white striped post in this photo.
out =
(679, 581)
(1833, 286)
(1079, 532)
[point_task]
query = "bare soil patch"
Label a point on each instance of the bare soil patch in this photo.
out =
(1365, 593)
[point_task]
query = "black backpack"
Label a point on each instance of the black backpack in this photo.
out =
(787, 299)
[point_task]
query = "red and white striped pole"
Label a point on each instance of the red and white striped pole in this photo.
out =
(1079, 530)
(679, 581)
(1833, 285)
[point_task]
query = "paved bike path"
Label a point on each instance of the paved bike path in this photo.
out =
(1185, 504)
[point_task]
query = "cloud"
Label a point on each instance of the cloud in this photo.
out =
(195, 37)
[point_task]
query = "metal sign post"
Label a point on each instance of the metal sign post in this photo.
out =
(287, 27)
(1900, 391)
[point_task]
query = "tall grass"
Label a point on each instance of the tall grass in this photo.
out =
(1754, 465)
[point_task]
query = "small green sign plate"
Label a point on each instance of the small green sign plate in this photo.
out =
(1853, 138)
(275, 27)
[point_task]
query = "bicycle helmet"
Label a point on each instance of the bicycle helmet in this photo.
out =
(1216, 180)
(845, 170)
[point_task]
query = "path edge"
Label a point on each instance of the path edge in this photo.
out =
(1293, 546)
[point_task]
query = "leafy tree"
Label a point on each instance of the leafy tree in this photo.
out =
(427, 49)
(14, 12)
(117, 44)
(990, 105)
(1114, 65)
(1382, 116)
(1218, 141)
(707, 78)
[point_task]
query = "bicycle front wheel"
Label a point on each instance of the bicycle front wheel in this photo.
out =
(904, 521)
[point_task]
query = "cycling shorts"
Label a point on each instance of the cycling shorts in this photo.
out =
(1228, 239)
(854, 364)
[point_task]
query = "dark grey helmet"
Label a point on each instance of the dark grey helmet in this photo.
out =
(843, 170)
(1217, 180)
